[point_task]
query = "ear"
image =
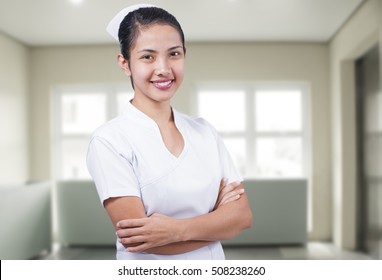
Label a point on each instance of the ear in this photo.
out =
(124, 64)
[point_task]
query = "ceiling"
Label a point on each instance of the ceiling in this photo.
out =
(61, 22)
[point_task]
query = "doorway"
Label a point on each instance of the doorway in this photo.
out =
(369, 153)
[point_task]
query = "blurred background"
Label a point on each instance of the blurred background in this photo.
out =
(292, 86)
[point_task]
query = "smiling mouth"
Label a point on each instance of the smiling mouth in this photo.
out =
(163, 85)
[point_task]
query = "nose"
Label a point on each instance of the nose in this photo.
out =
(162, 67)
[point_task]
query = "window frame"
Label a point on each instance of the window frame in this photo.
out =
(111, 92)
(250, 134)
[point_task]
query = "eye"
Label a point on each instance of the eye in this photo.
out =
(147, 57)
(176, 53)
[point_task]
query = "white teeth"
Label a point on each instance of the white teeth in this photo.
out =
(163, 84)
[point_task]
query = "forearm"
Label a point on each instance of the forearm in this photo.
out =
(224, 223)
(117, 210)
(165, 235)
(203, 230)
(178, 247)
(189, 234)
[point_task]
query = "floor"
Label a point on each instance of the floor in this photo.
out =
(311, 251)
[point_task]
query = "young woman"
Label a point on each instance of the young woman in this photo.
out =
(165, 179)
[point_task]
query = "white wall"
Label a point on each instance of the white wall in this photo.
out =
(53, 66)
(13, 112)
(358, 35)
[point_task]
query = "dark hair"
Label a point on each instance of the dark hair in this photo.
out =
(143, 18)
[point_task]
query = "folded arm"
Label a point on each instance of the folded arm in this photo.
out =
(224, 223)
(130, 207)
(164, 235)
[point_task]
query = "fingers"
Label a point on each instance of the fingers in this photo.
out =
(229, 187)
(142, 234)
(131, 223)
(140, 248)
(135, 243)
(231, 196)
(229, 192)
(223, 183)
(134, 239)
(130, 232)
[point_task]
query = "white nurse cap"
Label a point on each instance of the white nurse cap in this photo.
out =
(113, 26)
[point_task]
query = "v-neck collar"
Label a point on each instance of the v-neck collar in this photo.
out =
(133, 113)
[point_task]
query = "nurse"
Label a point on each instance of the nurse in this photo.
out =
(165, 179)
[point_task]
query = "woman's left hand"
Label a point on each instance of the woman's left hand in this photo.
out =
(154, 231)
(228, 192)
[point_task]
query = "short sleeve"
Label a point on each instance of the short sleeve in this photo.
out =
(228, 167)
(111, 171)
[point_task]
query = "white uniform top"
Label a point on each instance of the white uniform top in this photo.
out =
(127, 157)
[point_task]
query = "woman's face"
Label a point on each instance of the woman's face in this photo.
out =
(156, 63)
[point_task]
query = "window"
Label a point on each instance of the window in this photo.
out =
(264, 126)
(79, 110)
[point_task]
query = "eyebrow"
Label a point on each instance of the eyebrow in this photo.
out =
(154, 51)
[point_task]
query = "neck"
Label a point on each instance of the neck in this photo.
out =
(160, 112)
